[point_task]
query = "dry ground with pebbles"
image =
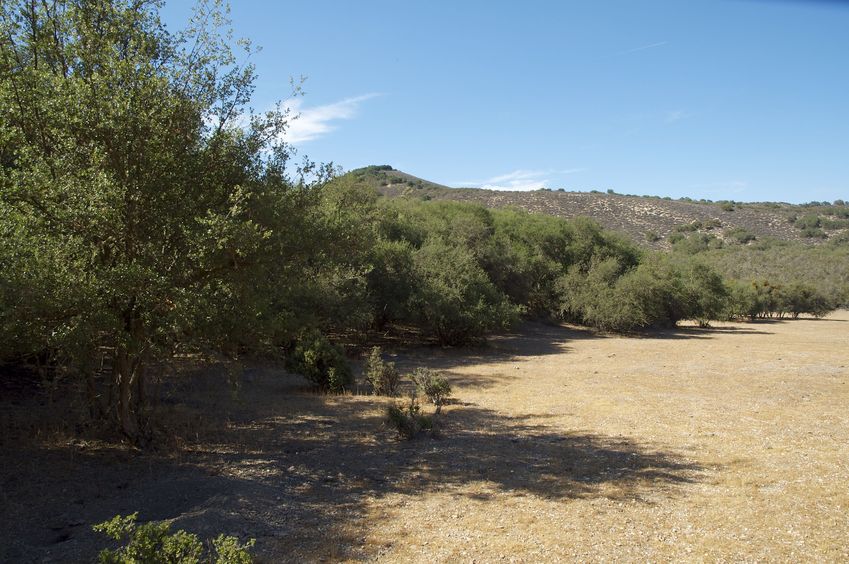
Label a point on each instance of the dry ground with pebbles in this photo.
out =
(722, 444)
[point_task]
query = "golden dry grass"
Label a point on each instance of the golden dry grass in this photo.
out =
(725, 444)
(755, 415)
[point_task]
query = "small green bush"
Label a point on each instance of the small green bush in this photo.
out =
(321, 362)
(689, 227)
(832, 224)
(433, 385)
(808, 221)
(382, 376)
(376, 168)
(696, 243)
(153, 543)
(408, 420)
(741, 235)
(813, 233)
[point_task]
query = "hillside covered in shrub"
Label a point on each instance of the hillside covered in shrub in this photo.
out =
(651, 221)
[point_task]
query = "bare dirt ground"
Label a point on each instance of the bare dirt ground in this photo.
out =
(722, 444)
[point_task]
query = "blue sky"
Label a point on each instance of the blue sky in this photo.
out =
(745, 100)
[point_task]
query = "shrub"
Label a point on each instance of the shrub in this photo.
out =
(756, 299)
(801, 298)
(659, 292)
(746, 301)
(654, 293)
(455, 299)
(408, 420)
(382, 376)
(727, 206)
(433, 385)
(696, 243)
(813, 233)
(390, 281)
(808, 221)
(589, 297)
(741, 235)
(652, 236)
(377, 168)
(692, 226)
(152, 543)
(835, 224)
(706, 294)
(321, 362)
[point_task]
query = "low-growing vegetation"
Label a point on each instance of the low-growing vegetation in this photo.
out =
(409, 420)
(740, 235)
(154, 543)
(382, 376)
(433, 385)
(321, 362)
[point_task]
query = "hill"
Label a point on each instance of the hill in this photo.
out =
(652, 221)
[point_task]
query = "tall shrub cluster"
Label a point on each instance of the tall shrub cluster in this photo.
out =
(761, 299)
(459, 270)
(657, 292)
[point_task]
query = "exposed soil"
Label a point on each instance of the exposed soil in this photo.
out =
(730, 443)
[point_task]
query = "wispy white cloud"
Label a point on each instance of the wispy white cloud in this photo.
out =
(521, 180)
(676, 115)
(641, 48)
(310, 123)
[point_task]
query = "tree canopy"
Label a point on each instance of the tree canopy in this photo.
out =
(138, 196)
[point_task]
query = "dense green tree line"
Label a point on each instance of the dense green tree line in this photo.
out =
(145, 211)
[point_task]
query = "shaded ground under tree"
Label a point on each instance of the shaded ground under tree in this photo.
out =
(294, 470)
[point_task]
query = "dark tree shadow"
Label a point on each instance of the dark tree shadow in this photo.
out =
(534, 339)
(697, 332)
(295, 470)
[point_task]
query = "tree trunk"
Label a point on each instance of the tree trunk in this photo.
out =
(124, 373)
(95, 411)
(129, 374)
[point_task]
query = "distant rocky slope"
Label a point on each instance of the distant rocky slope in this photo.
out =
(652, 221)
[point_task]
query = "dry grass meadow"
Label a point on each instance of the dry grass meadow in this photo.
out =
(722, 444)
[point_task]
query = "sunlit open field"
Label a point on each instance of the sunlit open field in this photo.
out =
(730, 443)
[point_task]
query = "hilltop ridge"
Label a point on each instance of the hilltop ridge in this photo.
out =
(650, 220)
